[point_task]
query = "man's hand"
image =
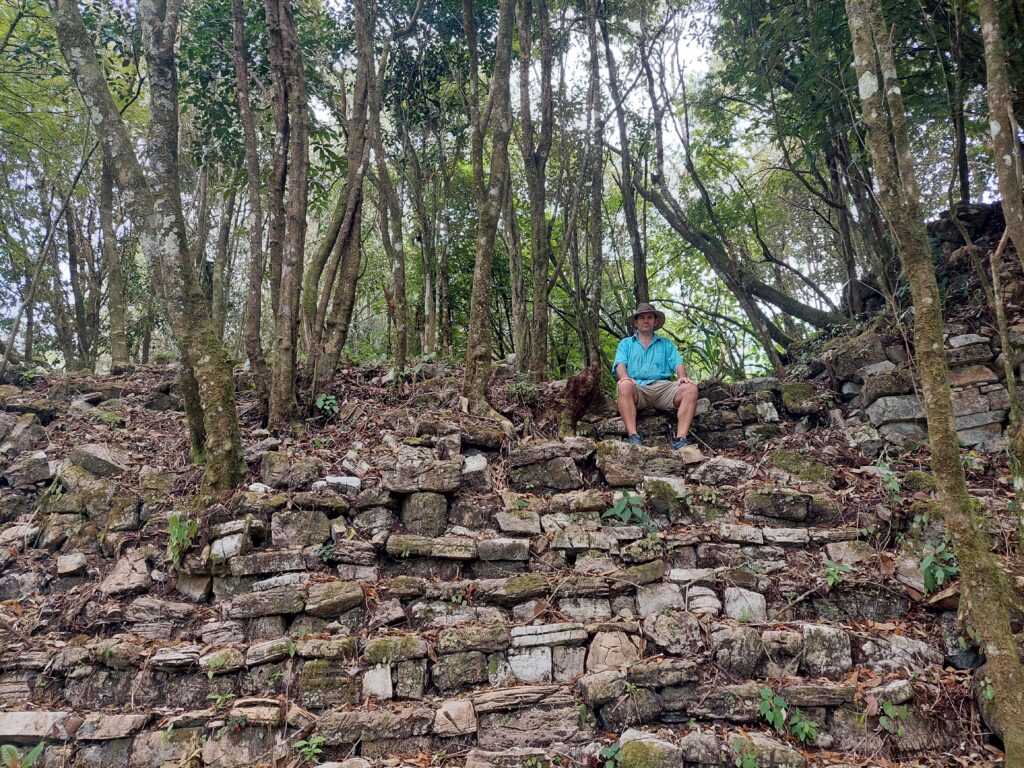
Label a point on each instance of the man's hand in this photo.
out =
(684, 379)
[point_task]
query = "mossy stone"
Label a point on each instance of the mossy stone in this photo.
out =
(917, 480)
(381, 650)
(801, 466)
(647, 754)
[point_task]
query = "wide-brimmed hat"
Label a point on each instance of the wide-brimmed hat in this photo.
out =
(641, 308)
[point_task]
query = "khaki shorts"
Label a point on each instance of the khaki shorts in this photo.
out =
(658, 394)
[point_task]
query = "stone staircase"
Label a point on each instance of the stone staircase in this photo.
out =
(447, 596)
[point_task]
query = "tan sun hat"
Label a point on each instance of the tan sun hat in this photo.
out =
(641, 308)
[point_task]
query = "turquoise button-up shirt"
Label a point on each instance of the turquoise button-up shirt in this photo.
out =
(656, 363)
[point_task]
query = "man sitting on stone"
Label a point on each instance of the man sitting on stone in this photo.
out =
(643, 367)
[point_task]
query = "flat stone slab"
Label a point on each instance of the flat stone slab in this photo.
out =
(102, 459)
(33, 727)
(100, 727)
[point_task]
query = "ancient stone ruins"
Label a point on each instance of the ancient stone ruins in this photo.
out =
(420, 586)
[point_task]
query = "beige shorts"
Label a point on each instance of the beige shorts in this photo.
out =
(659, 395)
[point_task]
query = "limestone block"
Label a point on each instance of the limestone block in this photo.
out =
(745, 605)
(531, 665)
(101, 459)
(826, 651)
(610, 650)
(425, 513)
(455, 717)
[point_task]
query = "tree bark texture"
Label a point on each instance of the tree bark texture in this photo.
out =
(536, 148)
(283, 408)
(641, 288)
(115, 276)
(252, 331)
(985, 589)
(1001, 128)
(156, 211)
(497, 120)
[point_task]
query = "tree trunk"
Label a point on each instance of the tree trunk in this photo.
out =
(1004, 137)
(985, 587)
(641, 289)
(536, 150)
(591, 317)
(283, 405)
(330, 331)
(279, 156)
(115, 277)
(218, 287)
(389, 208)
(157, 214)
(517, 278)
(252, 332)
(497, 120)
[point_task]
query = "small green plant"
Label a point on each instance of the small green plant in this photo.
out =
(181, 532)
(772, 708)
(776, 711)
(987, 690)
(215, 665)
(938, 566)
(584, 715)
(326, 553)
(629, 510)
(167, 732)
(327, 404)
(292, 649)
(12, 758)
(893, 718)
(746, 760)
(322, 442)
(835, 572)
(311, 748)
(220, 700)
(805, 731)
(610, 755)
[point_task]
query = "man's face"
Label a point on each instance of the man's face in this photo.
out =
(645, 321)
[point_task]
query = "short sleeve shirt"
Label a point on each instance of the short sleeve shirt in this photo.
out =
(656, 363)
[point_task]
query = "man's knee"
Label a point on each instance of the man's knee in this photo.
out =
(626, 389)
(687, 393)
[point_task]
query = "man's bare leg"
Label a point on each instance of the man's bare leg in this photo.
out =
(626, 401)
(686, 405)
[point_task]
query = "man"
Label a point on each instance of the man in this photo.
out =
(643, 367)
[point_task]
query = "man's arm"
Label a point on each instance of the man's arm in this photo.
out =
(621, 373)
(681, 375)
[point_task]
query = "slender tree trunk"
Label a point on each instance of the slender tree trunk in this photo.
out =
(497, 120)
(252, 324)
(535, 151)
(1001, 128)
(390, 212)
(641, 289)
(218, 288)
(279, 157)
(283, 405)
(115, 276)
(157, 213)
(330, 331)
(985, 586)
(517, 278)
(428, 242)
(591, 319)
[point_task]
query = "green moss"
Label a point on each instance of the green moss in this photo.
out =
(387, 649)
(801, 466)
(644, 754)
(523, 586)
(916, 480)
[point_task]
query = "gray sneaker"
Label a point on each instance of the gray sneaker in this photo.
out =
(635, 440)
(680, 442)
